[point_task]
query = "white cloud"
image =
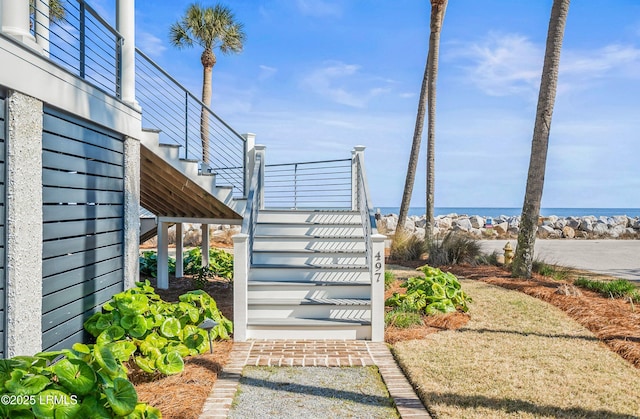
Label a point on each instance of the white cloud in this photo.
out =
(511, 64)
(344, 83)
(150, 44)
(319, 8)
(266, 72)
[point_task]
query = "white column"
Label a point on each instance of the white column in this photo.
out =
(179, 251)
(251, 156)
(240, 291)
(357, 151)
(42, 25)
(260, 150)
(205, 244)
(163, 255)
(377, 288)
(24, 225)
(125, 25)
(15, 21)
(131, 211)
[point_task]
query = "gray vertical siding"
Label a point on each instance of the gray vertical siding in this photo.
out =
(3, 342)
(83, 211)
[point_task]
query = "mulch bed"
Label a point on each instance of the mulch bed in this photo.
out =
(182, 396)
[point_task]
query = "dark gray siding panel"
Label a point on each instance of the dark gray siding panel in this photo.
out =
(2, 223)
(83, 222)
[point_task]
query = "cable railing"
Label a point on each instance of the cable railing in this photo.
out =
(79, 40)
(184, 120)
(319, 184)
(253, 203)
(364, 206)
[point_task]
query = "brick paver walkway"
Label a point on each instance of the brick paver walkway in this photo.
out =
(306, 353)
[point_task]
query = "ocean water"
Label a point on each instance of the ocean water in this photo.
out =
(495, 212)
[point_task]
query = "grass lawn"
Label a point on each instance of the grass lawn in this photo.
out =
(518, 357)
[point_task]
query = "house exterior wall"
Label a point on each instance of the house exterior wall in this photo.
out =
(33, 83)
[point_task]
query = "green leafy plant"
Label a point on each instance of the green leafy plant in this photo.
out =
(149, 264)
(437, 292)
(221, 263)
(85, 381)
(619, 288)
(140, 327)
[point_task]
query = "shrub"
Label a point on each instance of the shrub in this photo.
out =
(221, 263)
(490, 259)
(149, 264)
(154, 333)
(87, 381)
(437, 292)
(407, 247)
(556, 272)
(454, 249)
(619, 288)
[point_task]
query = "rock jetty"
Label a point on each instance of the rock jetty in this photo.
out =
(508, 227)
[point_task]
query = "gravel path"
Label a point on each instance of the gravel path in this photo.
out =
(312, 392)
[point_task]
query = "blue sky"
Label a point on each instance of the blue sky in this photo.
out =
(318, 77)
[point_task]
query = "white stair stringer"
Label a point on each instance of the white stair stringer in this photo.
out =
(190, 168)
(309, 277)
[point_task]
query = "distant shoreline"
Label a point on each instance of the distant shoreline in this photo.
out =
(512, 212)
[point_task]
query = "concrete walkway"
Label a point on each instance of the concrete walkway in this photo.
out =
(618, 258)
(326, 353)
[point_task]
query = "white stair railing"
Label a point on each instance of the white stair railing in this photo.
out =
(243, 245)
(374, 242)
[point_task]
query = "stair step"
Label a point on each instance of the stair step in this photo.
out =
(310, 301)
(309, 258)
(314, 274)
(324, 217)
(309, 229)
(301, 322)
(306, 243)
(260, 290)
(172, 150)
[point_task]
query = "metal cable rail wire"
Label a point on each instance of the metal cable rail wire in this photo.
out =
(320, 184)
(365, 208)
(83, 43)
(176, 112)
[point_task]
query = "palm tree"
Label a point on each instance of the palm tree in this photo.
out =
(523, 260)
(56, 9)
(438, 8)
(211, 28)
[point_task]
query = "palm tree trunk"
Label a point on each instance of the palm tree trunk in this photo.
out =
(208, 61)
(438, 7)
(415, 154)
(523, 261)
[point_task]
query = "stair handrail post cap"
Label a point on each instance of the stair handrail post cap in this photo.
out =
(359, 148)
(240, 238)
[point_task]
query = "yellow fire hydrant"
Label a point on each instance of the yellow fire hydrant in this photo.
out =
(508, 253)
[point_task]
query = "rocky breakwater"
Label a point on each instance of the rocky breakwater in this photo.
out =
(508, 227)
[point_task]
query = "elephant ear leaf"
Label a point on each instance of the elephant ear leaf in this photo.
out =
(105, 358)
(75, 375)
(122, 397)
(170, 363)
(26, 384)
(55, 403)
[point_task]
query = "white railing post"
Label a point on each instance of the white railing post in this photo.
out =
(260, 149)
(41, 26)
(126, 26)
(357, 152)
(240, 290)
(179, 251)
(377, 287)
(15, 21)
(250, 142)
(205, 244)
(163, 255)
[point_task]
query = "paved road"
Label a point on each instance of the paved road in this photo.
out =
(619, 258)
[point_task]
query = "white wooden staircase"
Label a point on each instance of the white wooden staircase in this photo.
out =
(308, 274)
